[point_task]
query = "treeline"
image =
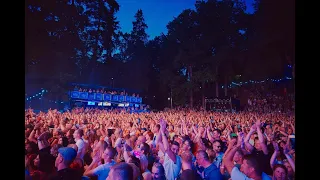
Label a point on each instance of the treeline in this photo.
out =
(204, 49)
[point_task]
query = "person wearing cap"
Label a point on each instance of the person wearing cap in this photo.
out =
(63, 161)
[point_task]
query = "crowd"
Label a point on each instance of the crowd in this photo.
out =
(270, 103)
(268, 98)
(102, 90)
(171, 144)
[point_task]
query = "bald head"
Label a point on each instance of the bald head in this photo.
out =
(186, 157)
(140, 140)
(201, 156)
(121, 171)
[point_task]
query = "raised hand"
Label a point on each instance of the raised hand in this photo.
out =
(232, 143)
(253, 127)
(163, 125)
(286, 150)
(275, 146)
(258, 122)
(292, 151)
(96, 158)
(240, 137)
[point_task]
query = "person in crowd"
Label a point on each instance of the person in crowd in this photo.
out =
(259, 149)
(146, 173)
(280, 172)
(62, 163)
(54, 150)
(210, 169)
(187, 171)
(102, 171)
(217, 147)
(121, 171)
(250, 168)
(172, 161)
(77, 135)
(158, 172)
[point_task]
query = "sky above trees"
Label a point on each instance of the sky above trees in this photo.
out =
(157, 13)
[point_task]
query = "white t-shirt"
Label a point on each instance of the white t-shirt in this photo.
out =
(106, 139)
(103, 170)
(171, 169)
(236, 174)
(118, 142)
(132, 133)
(81, 148)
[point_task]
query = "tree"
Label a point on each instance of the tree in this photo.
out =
(138, 33)
(183, 32)
(100, 35)
(272, 38)
(220, 22)
(112, 27)
(122, 44)
(205, 38)
(52, 38)
(132, 51)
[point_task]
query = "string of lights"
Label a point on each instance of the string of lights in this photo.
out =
(256, 82)
(37, 95)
